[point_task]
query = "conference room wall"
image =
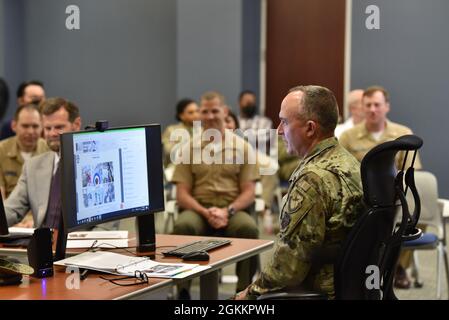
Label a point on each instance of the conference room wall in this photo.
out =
(118, 66)
(131, 61)
(2, 44)
(209, 47)
(12, 47)
(409, 56)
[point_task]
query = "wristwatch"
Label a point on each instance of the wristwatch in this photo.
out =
(231, 211)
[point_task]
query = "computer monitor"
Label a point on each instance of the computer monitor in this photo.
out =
(110, 175)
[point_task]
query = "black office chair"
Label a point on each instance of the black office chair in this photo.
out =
(375, 240)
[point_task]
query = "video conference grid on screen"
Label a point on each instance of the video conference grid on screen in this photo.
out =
(111, 173)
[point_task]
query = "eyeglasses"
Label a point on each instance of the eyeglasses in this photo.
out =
(138, 278)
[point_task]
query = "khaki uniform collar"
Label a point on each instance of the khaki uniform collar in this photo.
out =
(14, 152)
(389, 131)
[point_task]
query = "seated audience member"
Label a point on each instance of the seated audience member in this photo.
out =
(214, 194)
(39, 185)
(270, 180)
(186, 113)
(323, 202)
(255, 127)
(375, 130)
(248, 118)
(27, 143)
(231, 121)
(356, 111)
(28, 92)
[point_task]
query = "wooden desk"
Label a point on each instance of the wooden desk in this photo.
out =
(55, 288)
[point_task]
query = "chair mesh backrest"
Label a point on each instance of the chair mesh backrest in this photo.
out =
(372, 240)
(426, 184)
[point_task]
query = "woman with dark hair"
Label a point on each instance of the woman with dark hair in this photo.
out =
(231, 121)
(186, 113)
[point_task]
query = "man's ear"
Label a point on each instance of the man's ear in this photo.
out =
(14, 125)
(77, 124)
(388, 107)
(312, 128)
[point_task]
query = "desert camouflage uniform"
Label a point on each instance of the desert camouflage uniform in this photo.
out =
(322, 203)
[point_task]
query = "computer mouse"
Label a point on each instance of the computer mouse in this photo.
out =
(196, 256)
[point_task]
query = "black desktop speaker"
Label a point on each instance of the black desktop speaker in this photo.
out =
(40, 254)
(145, 234)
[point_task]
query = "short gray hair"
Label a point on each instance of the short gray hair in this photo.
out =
(319, 105)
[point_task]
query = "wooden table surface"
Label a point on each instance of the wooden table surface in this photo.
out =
(63, 286)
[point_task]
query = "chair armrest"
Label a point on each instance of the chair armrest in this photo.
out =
(259, 205)
(258, 189)
(171, 207)
(444, 207)
(294, 294)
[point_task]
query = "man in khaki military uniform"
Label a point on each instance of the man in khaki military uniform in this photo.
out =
(24, 145)
(216, 183)
(324, 197)
(377, 129)
(357, 114)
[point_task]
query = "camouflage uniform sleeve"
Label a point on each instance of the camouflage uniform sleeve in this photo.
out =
(302, 231)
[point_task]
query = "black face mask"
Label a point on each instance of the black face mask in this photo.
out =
(249, 111)
(36, 101)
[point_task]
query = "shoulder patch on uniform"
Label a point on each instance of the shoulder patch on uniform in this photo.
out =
(295, 200)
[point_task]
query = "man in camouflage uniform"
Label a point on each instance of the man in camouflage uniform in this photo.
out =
(323, 200)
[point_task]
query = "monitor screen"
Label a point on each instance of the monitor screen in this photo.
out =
(110, 175)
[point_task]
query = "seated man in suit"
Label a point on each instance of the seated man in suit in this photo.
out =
(214, 194)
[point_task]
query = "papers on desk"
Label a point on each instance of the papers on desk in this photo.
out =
(24, 231)
(100, 243)
(97, 239)
(120, 264)
(82, 235)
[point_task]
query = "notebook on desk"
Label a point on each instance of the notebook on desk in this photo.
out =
(17, 236)
(119, 264)
(8, 235)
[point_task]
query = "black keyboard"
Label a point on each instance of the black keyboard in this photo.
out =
(202, 245)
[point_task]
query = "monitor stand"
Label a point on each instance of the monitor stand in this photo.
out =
(145, 235)
(61, 242)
